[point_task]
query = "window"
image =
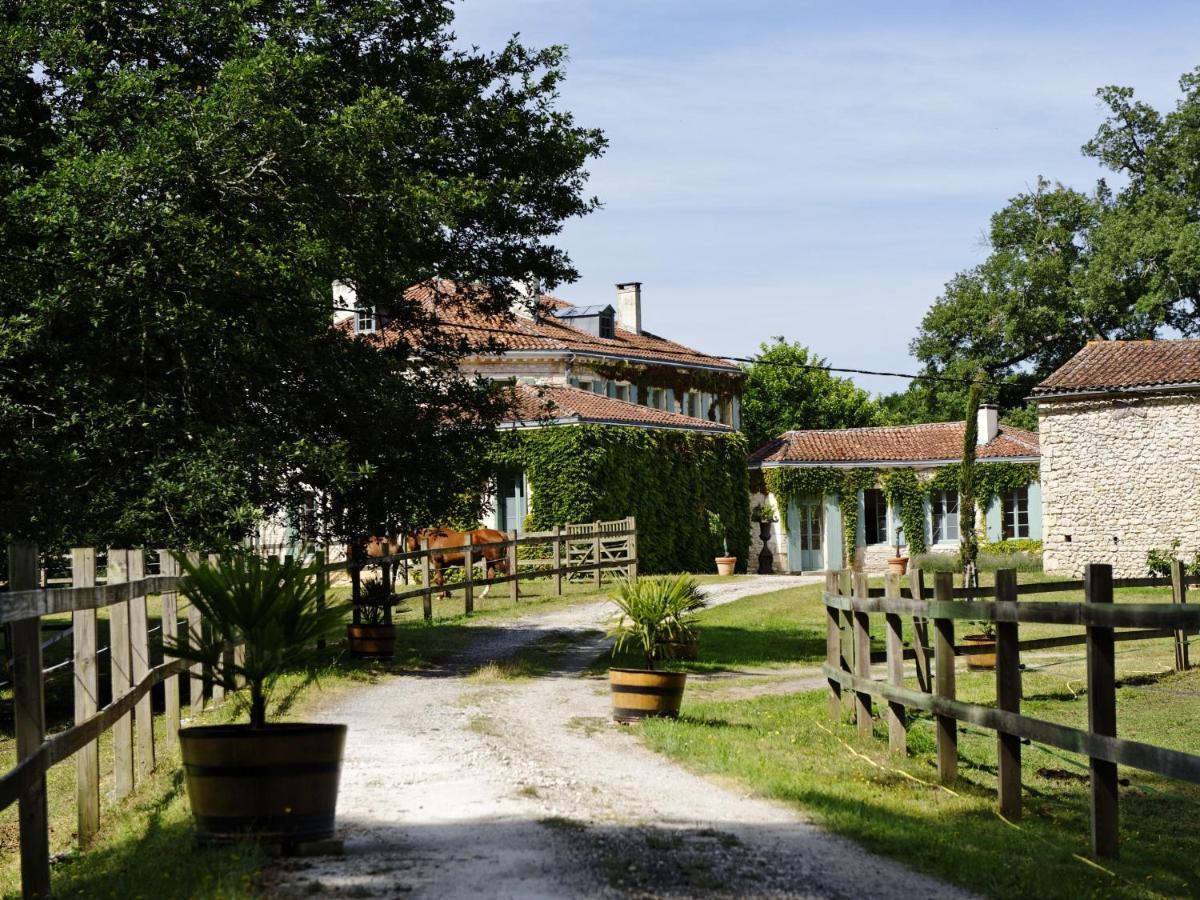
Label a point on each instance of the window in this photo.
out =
(622, 392)
(944, 506)
(1015, 513)
(875, 516)
(584, 384)
(364, 320)
(606, 326)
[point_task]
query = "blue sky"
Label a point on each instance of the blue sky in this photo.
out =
(819, 171)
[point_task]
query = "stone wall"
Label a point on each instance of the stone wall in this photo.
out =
(1118, 479)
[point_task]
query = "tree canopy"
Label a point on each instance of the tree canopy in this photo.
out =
(787, 389)
(181, 184)
(1066, 267)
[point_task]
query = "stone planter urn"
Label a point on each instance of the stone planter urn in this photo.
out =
(766, 559)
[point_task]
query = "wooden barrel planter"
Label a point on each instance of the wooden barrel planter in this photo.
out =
(372, 641)
(981, 660)
(277, 784)
(687, 649)
(640, 694)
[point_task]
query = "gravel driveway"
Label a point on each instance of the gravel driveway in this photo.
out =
(455, 786)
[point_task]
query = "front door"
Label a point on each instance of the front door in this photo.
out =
(511, 503)
(805, 537)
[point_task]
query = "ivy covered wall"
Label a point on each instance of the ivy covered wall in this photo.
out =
(667, 479)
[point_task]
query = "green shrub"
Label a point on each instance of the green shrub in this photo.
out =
(1021, 560)
(654, 610)
(1158, 562)
(1031, 546)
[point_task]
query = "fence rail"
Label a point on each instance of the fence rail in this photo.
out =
(852, 686)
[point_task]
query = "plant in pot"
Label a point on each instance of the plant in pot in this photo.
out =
(274, 782)
(985, 637)
(654, 612)
(373, 636)
(764, 515)
(898, 564)
(716, 528)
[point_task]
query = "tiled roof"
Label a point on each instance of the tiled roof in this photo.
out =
(548, 333)
(1116, 365)
(566, 405)
(890, 444)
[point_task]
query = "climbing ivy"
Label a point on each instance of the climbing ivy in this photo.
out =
(667, 479)
(721, 384)
(905, 491)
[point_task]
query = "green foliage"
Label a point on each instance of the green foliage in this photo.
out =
(906, 495)
(1158, 562)
(1067, 267)
(762, 512)
(987, 561)
(178, 190)
(644, 377)
(271, 607)
(717, 529)
(792, 483)
(783, 392)
(667, 479)
(968, 537)
(653, 610)
(1032, 546)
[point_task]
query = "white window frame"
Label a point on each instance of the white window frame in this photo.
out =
(1016, 515)
(364, 320)
(937, 513)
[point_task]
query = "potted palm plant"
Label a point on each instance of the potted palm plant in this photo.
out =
(373, 636)
(275, 782)
(653, 613)
(726, 563)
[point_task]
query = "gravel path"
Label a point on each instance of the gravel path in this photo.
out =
(455, 786)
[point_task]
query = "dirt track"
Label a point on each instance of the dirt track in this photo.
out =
(456, 786)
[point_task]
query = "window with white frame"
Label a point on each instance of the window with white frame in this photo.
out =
(1015, 512)
(944, 508)
(364, 320)
(874, 516)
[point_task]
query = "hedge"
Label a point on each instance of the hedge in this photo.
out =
(667, 479)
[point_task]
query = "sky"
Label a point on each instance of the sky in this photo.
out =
(820, 170)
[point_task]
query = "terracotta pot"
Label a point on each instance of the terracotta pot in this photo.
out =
(981, 660)
(372, 641)
(898, 565)
(725, 564)
(686, 649)
(641, 694)
(277, 784)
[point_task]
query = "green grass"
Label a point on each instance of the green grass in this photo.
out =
(786, 747)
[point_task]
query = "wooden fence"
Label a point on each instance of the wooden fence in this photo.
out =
(129, 715)
(578, 552)
(852, 687)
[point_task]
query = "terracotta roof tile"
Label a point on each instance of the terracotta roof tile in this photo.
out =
(549, 333)
(549, 403)
(901, 443)
(1114, 365)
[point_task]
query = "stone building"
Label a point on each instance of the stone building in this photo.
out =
(809, 534)
(1120, 437)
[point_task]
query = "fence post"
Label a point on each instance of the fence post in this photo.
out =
(557, 560)
(862, 658)
(833, 646)
(469, 573)
(631, 548)
(847, 638)
(139, 654)
(87, 699)
(896, 717)
(426, 582)
(29, 711)
(1179, 595)
(943, 659)
(196, 670)
(599, 573)
(1008, 698)
(514, 586)
(921, 646)
(121, 662)
(168, 567)
(319, 560)
(1102, 711)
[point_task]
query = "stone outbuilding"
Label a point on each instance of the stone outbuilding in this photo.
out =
(829, 469)
(1120, 437)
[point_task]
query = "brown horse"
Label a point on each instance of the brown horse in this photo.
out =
(448, 546)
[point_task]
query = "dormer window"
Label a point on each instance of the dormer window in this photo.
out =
(607, 325)
(364, 320)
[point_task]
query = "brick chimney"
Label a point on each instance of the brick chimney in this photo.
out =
(988, 422)
(629, 306)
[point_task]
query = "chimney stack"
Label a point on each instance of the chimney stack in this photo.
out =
(988, 422)
(629, 306)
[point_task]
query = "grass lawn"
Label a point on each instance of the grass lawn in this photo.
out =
(146, 847)
(786, 747)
